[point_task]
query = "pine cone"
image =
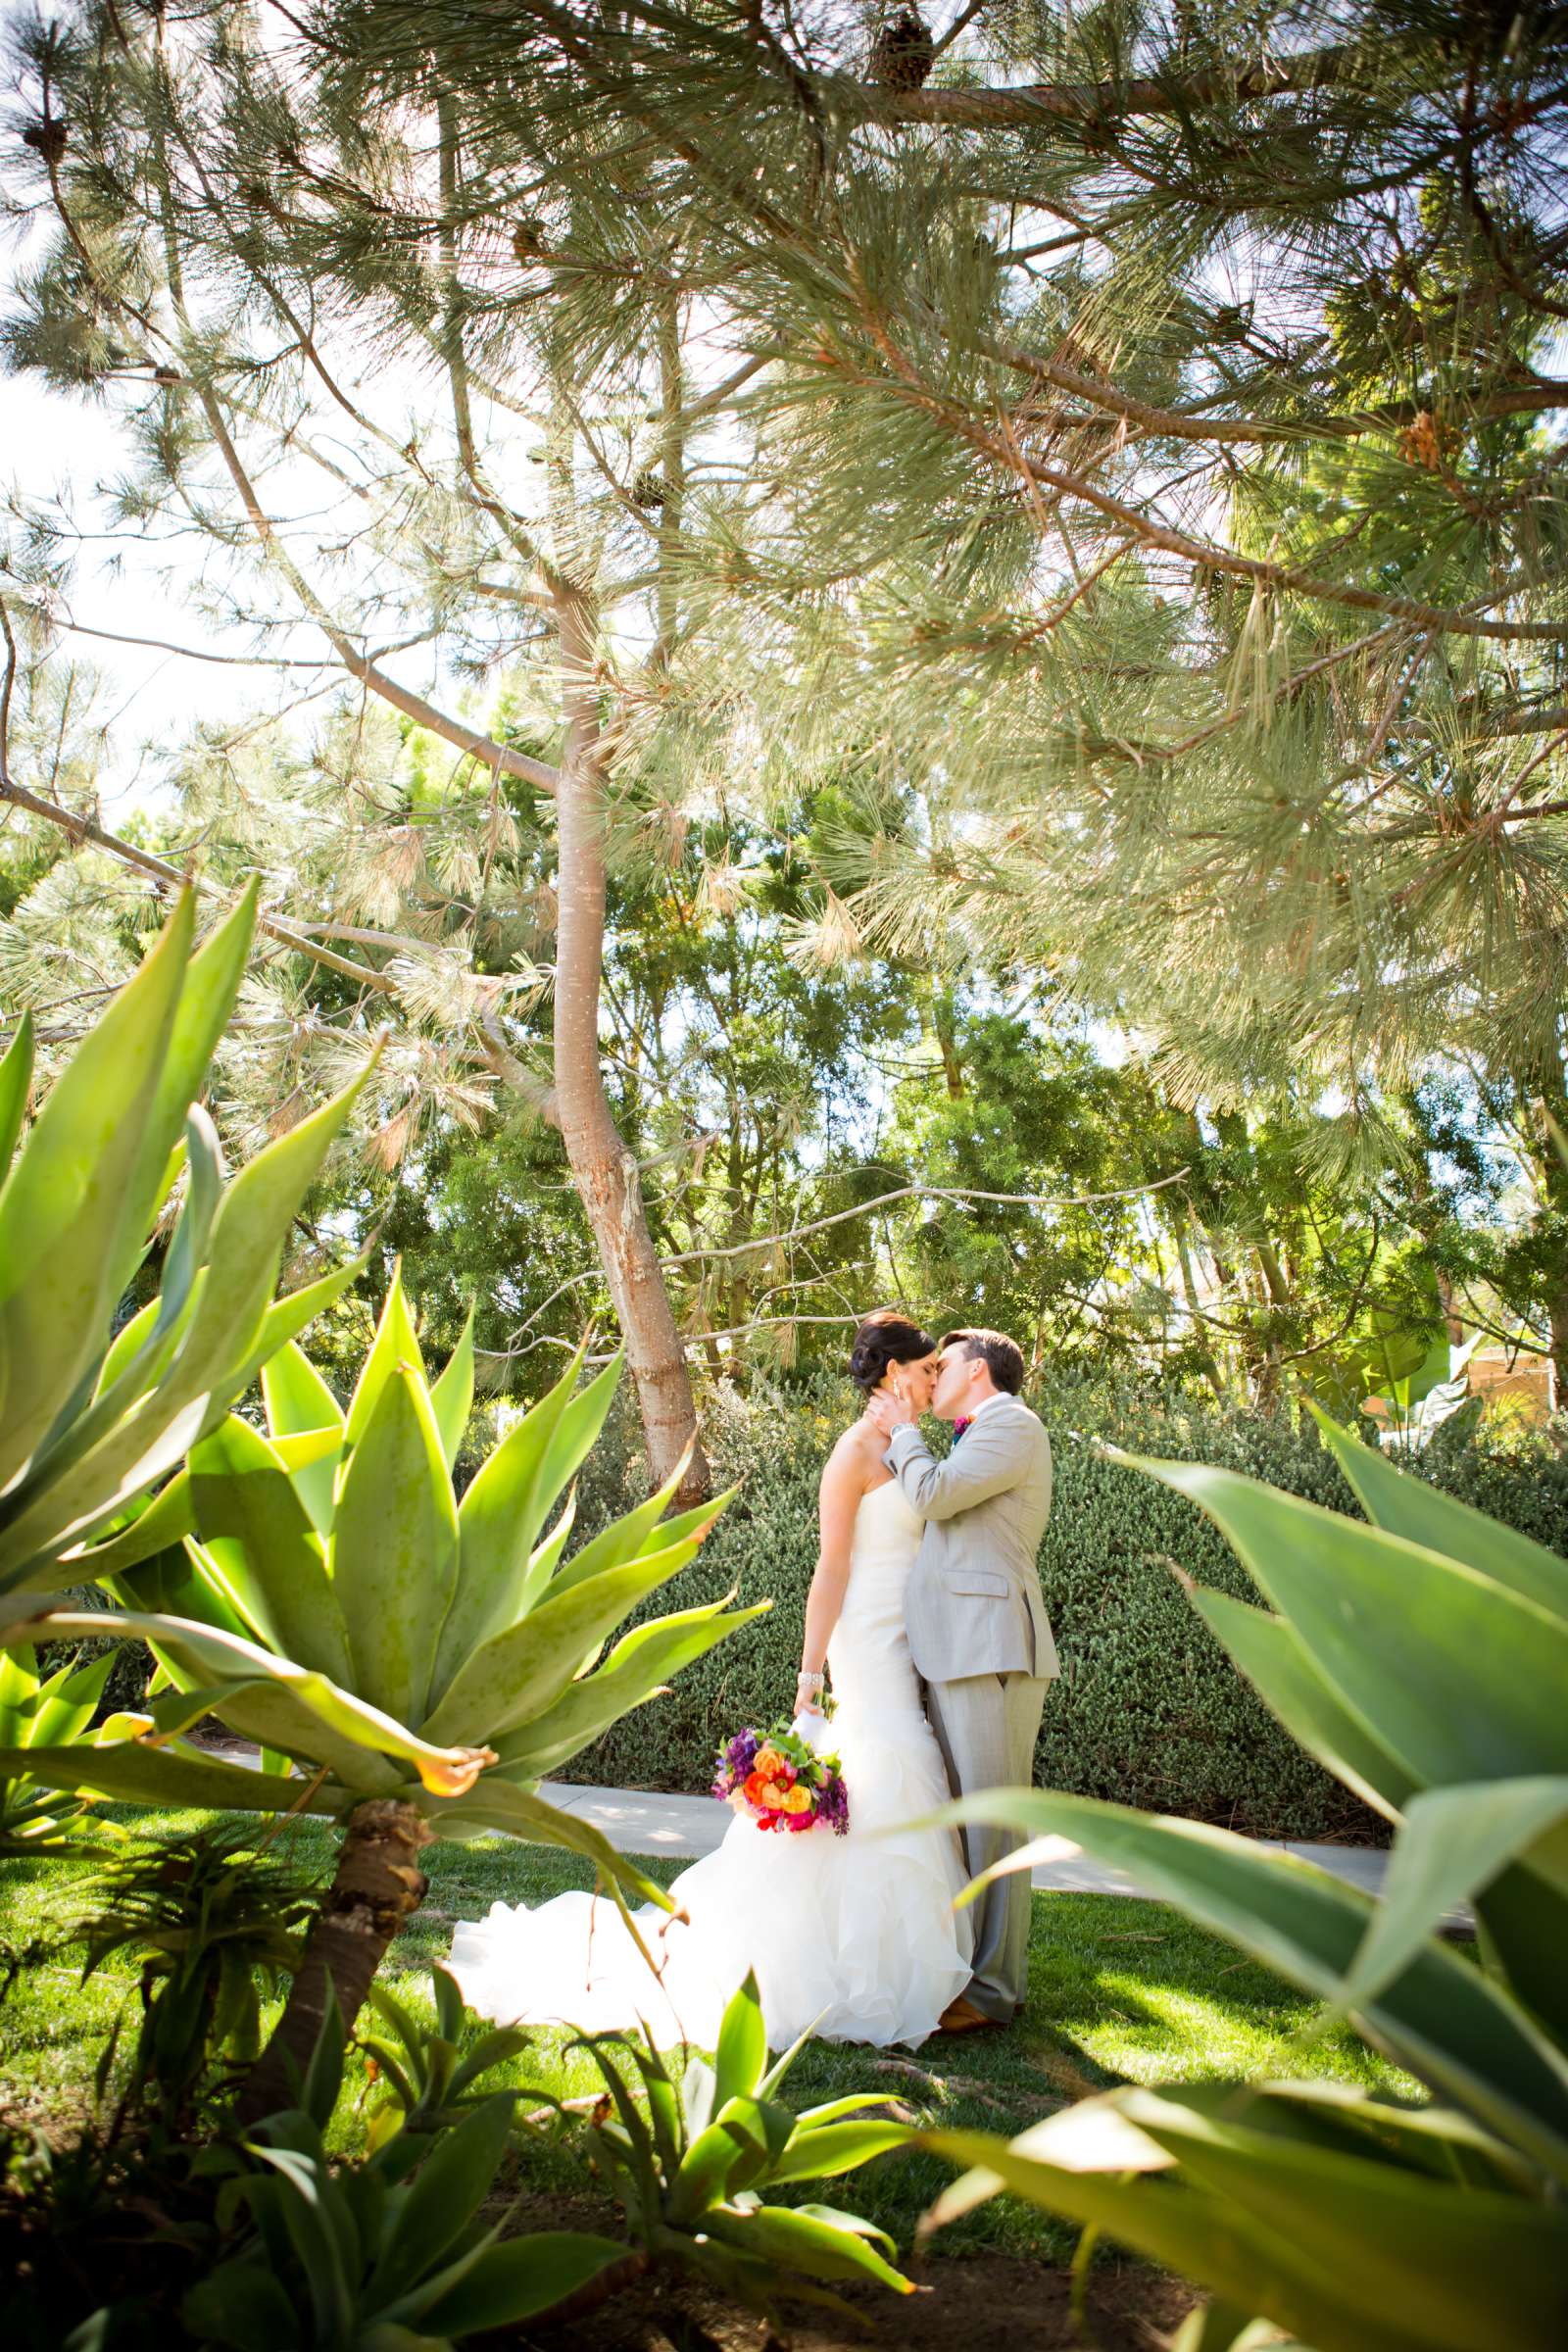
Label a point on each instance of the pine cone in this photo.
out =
(901, 55)
(1425, 441)
(48, 137)
(648, 490)
(528, 239)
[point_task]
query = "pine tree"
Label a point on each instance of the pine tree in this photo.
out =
(1150, 463)
(1127, 458)
(232, 236)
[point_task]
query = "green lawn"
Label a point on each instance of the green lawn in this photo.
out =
(1118, 1990)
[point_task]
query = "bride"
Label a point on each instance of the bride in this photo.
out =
(853, 1936)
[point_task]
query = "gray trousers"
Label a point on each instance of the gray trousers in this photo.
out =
(986, 1726)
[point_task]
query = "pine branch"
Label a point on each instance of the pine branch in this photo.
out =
(187, 653)
(1092, 104)
(85, 828)
(531, 1089)
(495, 756)
(1199, 554)
(5, 687)
(491, 754)
(1540, 396)
(218, 211)
(512, 525)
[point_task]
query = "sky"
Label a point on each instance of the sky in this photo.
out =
(55, 445)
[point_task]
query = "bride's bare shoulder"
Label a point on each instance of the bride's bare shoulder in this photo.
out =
(852, 1456)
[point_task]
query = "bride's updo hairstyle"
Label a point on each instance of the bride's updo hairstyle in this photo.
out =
(883, 1339)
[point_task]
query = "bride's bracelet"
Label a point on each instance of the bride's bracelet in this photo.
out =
(813, 1681)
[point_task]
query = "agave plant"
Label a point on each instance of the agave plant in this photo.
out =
(691, 2164)
(1424, 1659)
(429, 2082)
(425, 1663)
(391, 2252)
(42, 1711)
(396, 2251)
(89, 1421)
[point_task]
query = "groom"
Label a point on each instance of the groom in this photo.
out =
(978, 1631)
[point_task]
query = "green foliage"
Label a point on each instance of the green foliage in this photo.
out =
(1421, 1656)
(42, 1710)
(1148, 1710)
(216, 1923)
(392, 2251)
(92, 1417)
(899, 690)
(343, 2256)
(691, 2165)
(335, 1603)
(1151, 479)
(430, 2085)
(1118, 1990)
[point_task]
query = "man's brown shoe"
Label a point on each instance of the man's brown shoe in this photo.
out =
(962, 2017)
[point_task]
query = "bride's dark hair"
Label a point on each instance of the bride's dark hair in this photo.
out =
(883, 1339)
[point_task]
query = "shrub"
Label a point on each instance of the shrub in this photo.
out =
(1149, 1710)
(216, 1920)
(692, 2174)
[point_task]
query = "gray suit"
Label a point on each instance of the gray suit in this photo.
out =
(981, 1640)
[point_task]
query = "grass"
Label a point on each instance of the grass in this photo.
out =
(1120, 1990)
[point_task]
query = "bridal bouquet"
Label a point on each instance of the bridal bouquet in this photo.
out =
(782, 1782)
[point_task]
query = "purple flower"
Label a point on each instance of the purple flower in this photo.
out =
(735, 1760)
(833, 1804)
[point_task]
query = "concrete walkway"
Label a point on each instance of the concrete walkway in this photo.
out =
(650, 1822)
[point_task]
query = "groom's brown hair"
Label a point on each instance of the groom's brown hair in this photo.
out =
(1003, 1357)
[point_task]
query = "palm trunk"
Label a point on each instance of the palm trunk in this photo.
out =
(604, 1172)
(378, 1887)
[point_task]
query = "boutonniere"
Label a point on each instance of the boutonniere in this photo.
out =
(960, 1425)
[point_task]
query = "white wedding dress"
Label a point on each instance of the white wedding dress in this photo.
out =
(854, 1937)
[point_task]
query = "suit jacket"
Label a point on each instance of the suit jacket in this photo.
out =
(973, 1603)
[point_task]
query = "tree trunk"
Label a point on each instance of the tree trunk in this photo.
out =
(604, 1172)
(1452, 1321)
(1551, 1169)
(945, 1029)
(378, 1885)
(1184, 1259)
(1558, 1312)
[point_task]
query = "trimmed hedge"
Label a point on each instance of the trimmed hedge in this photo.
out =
(1149, 1710)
